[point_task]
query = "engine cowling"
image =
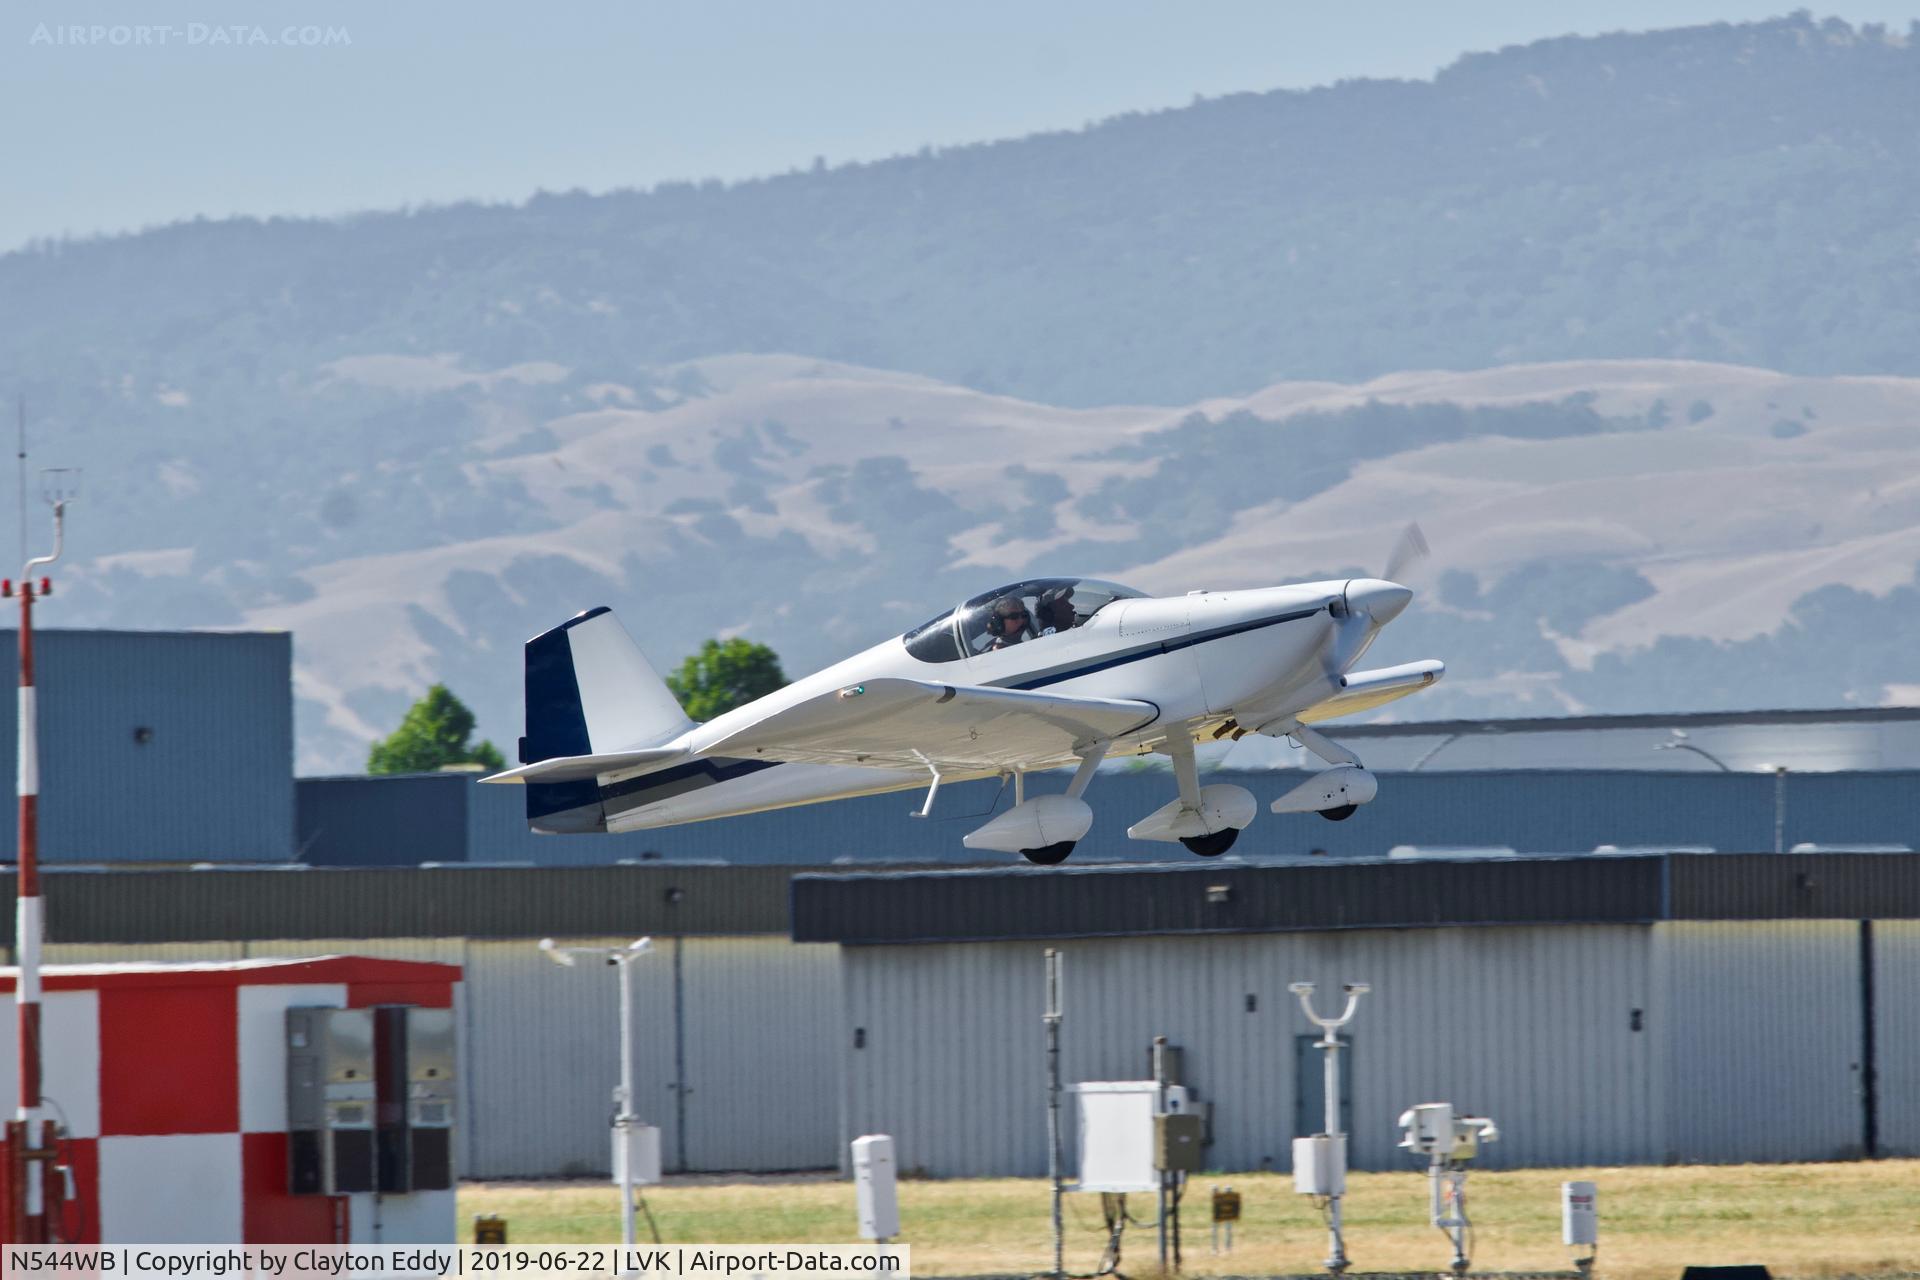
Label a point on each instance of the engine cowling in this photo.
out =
(1334, 788)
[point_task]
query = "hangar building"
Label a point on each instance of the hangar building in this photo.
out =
(159, 746)
(1632, 1008)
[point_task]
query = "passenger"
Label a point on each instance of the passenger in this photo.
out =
(1007, 624)
(1056, 611)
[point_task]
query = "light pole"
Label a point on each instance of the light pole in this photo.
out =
(621, 958)
(1679, 743)
(1335, 1166)
(1779, 772)
(1436, 749)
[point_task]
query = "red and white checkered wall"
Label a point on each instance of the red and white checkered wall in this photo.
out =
(170, 1081)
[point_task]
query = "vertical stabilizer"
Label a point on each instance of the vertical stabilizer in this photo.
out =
(589, 690)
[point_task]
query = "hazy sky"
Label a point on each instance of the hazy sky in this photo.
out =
(410, 101)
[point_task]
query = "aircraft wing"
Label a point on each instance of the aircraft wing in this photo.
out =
(1365, 690)
(570, 768)
(914, 724)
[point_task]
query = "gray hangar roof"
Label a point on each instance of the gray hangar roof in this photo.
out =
(955, 906)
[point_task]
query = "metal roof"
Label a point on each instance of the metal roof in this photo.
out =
(1635, 720)
(131, 905)
(952, 906)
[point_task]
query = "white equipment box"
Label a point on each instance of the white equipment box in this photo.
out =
(1116, 1133)
(1320, 1165)
(874, 1190)
(642, 1146)
(1580, 1213)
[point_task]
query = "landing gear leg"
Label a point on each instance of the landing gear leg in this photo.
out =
(1089, 761)
(1186, 774)
(1054, 854)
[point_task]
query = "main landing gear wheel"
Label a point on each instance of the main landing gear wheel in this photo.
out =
(1049, 855)
(1339, 814)
(1213, 845)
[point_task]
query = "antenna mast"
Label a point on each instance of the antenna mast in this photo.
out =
(23, 478)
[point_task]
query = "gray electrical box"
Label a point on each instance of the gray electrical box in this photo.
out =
(330, 1101)
(414, 1081)
(1178, 1141)
(431, 1083)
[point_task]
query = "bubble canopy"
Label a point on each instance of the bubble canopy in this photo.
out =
(1032, 611)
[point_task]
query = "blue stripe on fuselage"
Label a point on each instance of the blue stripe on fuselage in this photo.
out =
(695, 775)
(1156, 648)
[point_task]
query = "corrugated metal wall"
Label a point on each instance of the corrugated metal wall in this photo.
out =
(1896, 950)
(753, 1033)
(543, 1058)
(1529, 1025)
(762, 1054)
(212, 782)
(1760, 1025)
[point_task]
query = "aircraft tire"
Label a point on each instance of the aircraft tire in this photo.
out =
(1340, 813)
(1213, 844)
(1050, 855)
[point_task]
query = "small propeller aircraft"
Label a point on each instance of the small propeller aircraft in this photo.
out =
(1031, 676)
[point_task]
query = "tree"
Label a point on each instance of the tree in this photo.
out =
(433, 734)
(725, 675)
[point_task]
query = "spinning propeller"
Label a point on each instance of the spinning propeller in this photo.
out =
(1409, 551)
(1370, 603)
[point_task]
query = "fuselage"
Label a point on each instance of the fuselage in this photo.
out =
(1254, 656)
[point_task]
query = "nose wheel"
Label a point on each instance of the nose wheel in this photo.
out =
(1211, 846)
(1051, 855)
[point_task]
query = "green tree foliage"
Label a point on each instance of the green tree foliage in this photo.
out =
(434, 733)
(724, 675)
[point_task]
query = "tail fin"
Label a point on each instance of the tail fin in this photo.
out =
(589, 690)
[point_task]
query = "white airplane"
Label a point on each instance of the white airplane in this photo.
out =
(1031, 676)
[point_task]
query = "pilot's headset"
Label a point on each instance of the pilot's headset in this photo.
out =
(997, 618)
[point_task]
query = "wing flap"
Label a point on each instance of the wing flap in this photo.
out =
(1365, 690)
(915, 724)
(572, 768)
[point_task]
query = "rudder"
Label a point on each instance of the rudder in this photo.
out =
(589, 689)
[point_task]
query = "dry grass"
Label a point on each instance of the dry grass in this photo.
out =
(1801, 1220)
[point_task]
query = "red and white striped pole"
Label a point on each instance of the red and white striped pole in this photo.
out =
(27, 934)
(29, 1131)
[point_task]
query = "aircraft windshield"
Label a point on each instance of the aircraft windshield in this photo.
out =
(1018, 613)
(1034, 610)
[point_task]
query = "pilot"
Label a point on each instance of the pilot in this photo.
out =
(1007, 623)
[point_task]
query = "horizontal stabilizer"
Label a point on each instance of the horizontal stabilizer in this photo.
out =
(919, 725)
(1365, 690)
(573, 768)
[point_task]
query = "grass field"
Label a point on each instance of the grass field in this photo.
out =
(1801, 1220)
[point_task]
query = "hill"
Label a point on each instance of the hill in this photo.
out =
(1729, 193)
(1609, 536)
